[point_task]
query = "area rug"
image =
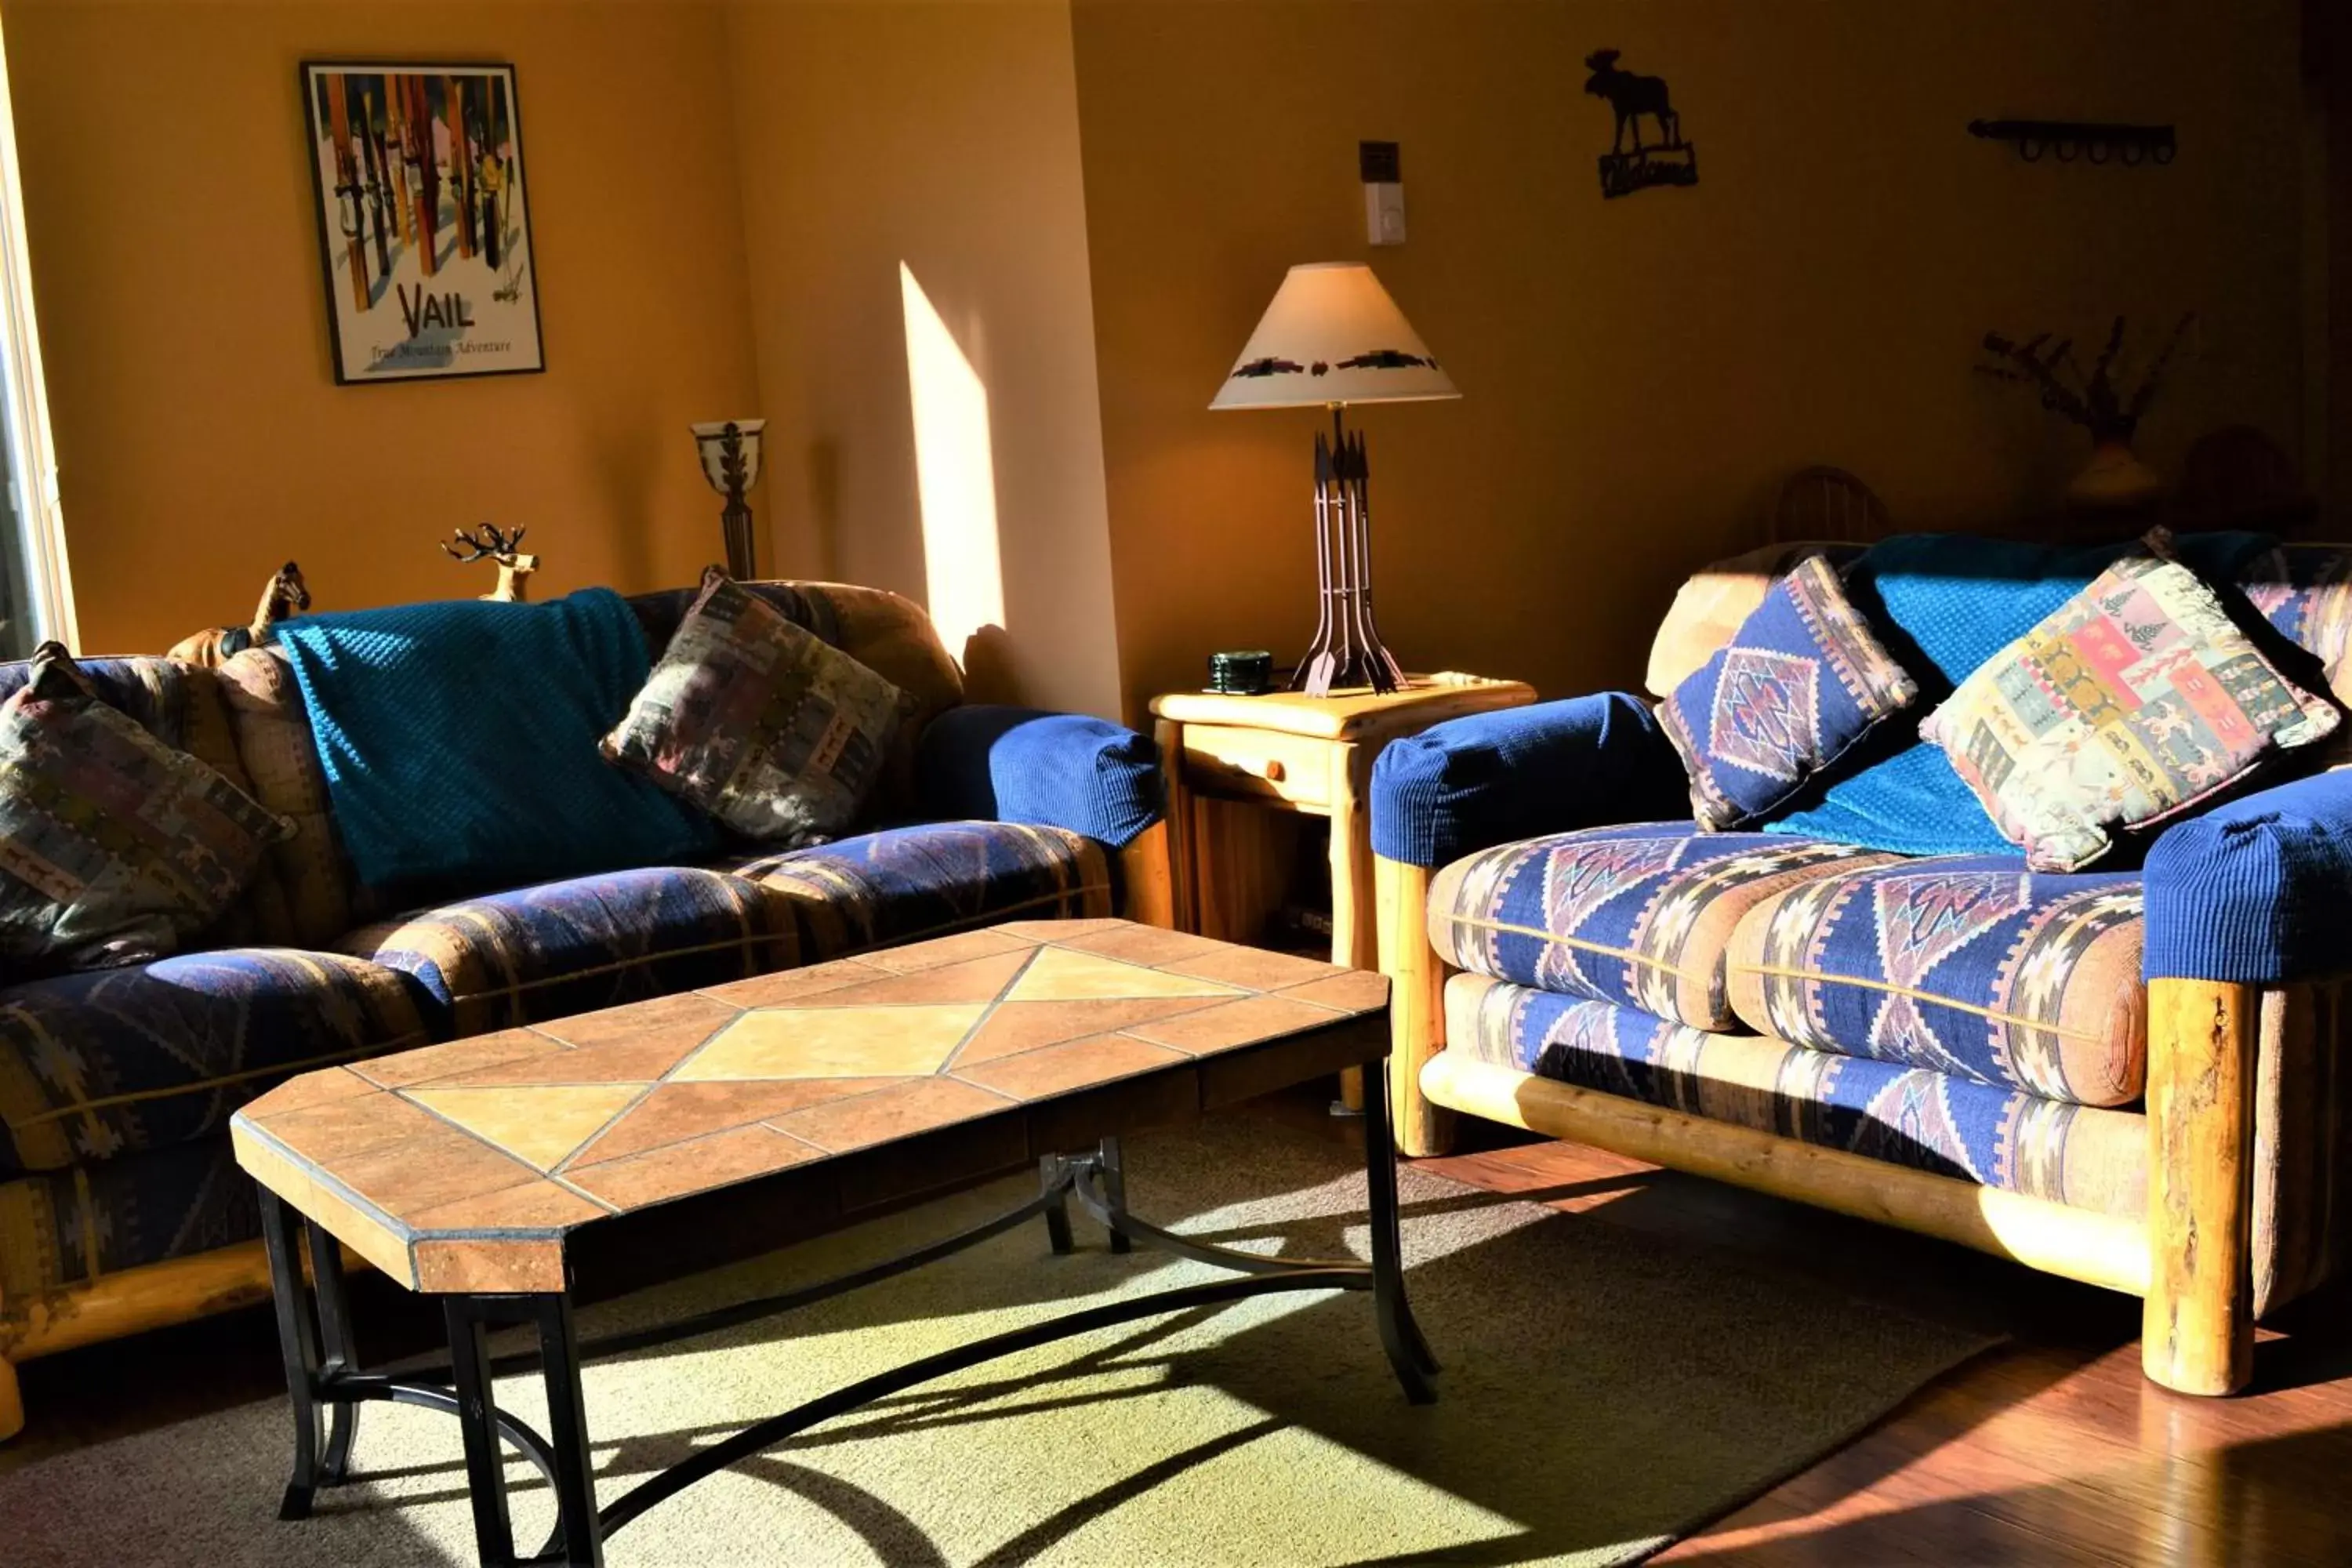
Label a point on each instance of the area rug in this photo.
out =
(1604, 1392)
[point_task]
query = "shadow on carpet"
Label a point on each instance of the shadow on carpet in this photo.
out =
(1605, 1393)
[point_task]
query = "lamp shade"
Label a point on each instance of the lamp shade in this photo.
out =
(1332, 335)
(711, 444)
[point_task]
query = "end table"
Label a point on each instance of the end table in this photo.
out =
(1288, 752)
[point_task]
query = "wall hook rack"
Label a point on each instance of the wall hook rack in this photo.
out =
(2067, 139)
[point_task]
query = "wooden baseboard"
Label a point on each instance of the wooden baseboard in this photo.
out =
(2076, 1243)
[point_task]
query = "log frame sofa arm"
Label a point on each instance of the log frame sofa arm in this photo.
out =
(2248, 895)
(1468, 784)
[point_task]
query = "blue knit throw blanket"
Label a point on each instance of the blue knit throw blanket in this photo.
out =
(459, 742)
(1944, 603)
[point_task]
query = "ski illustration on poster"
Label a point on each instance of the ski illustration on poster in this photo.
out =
(424, 220)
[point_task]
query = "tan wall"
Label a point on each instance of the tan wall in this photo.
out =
(201, 440)
(944, 137)
(1639, 373)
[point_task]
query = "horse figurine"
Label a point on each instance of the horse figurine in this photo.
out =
(284, 597)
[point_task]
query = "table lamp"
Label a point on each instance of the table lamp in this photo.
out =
(729, 451)
(1333, 337)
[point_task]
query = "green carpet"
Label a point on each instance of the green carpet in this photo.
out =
(1605, 1392)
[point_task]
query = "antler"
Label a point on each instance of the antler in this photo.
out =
(488, 542)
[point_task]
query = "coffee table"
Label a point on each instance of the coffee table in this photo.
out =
(513, 1173)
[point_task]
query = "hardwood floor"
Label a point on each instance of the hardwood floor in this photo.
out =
(2051, 1449)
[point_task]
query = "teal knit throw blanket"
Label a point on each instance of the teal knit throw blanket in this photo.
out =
(459, 742)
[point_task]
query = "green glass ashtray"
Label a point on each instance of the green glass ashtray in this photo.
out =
(1249, 673)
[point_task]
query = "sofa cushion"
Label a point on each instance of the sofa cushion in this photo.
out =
(115, 847)
(61, 1229)
(1906, 1116)
(1637, 915)
(1944, 603)
(2306, 591)
(757, 722)
(313, 879)
(1716, 598)
(96, 1065)
(904, 884)
(1970, 965)
(558, 948)
(2129, 704)
(1798, 685)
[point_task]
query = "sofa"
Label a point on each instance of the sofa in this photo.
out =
(121, 1205)
(2129, 1075)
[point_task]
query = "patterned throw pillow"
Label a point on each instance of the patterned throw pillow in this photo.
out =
(1801, 680)
(114, 847)
(2130, 703)
(771, 729)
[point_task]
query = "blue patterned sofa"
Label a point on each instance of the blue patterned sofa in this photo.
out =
(2129, 1076)
(117, 1193)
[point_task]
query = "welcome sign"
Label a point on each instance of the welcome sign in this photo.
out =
(424, 220)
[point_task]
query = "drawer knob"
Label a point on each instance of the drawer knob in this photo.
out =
(1274, 770)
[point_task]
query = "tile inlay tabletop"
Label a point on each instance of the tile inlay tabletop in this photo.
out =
(404, 1155)
(503, 1173)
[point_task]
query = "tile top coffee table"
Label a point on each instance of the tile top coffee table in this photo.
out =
(511, 1172)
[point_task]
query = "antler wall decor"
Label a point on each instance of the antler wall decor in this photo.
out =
(489, 543)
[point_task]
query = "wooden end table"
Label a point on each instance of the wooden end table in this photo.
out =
(511, 1172)
(1288, 752)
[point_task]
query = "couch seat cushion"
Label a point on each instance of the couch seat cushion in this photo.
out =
(560, 947)
(1906, 1116)
(1637, 915)
(96, 1065)
(61, 1229)
(1970, 965)
(905, 884)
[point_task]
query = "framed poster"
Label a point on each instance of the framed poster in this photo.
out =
(424, 220)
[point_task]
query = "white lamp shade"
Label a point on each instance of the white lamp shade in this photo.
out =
(710, 442)
(1332, 335)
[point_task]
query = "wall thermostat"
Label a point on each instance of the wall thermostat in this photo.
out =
(1382, 171)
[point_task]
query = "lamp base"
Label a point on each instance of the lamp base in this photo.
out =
(1347, 649)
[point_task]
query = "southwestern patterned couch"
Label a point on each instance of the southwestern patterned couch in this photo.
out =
(118, 1192)
(2126, 1076)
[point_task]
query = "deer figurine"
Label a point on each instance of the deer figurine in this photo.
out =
(283, 596)
(489, 543)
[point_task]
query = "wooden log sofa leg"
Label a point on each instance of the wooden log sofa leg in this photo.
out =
(1416, 1006)
(12, 1401)
(1146, 871)
(2197, 1334)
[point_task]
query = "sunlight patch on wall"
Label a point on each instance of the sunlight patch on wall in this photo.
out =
(955, 475)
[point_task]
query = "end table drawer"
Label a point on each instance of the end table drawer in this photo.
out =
(1222, 760)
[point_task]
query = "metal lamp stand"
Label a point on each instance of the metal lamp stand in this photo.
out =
(1347, 650)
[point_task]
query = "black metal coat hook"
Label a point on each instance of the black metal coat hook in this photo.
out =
(2066, 139)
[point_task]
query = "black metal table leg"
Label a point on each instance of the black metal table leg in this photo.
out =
(486, 1476)
(1400, 1335)
(298, 1343)
(567, 1432)
(1054, 1187)
(1114, 1189)
(339, 1355)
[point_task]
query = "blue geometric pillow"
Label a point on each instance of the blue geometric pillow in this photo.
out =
(1801, 681)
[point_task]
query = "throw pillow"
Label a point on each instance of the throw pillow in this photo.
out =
(2131, 702)
(1799, 683)
(114, 847)
(771, 729)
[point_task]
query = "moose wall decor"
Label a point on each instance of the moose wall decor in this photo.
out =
(489, 543)
(1669, 160)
